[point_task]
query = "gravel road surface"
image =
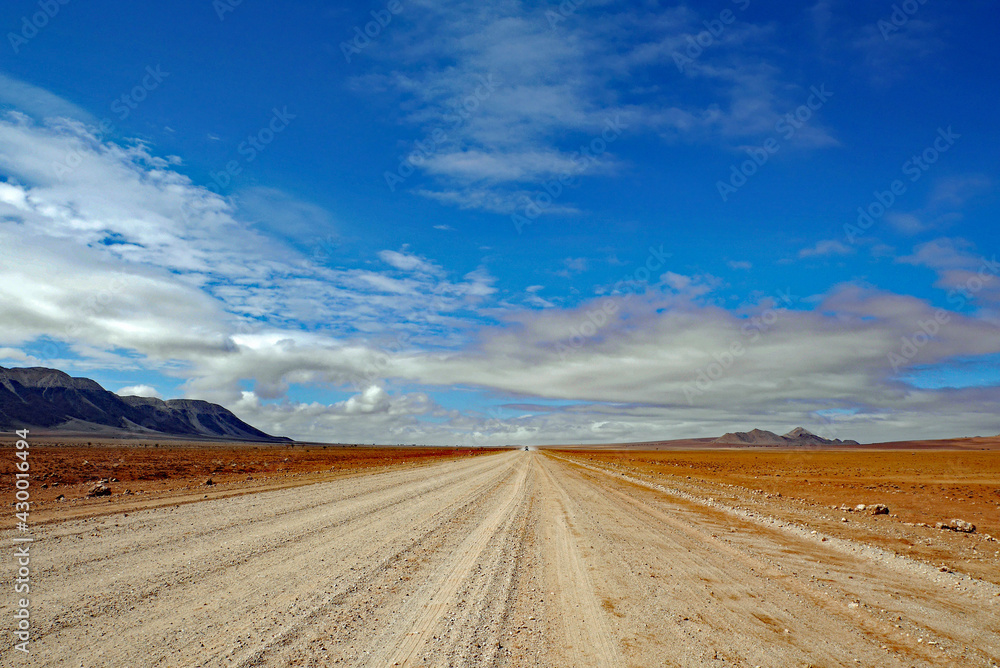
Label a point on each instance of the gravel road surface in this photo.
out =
(515, 559)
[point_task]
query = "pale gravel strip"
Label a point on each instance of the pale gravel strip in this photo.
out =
(586, 637)
(400, 645)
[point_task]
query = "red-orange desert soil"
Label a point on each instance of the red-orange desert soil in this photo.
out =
(145, 474)
(920, 487)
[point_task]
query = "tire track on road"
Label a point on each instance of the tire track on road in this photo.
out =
(401, 644)
(588, 640)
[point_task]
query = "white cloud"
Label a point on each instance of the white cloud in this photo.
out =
(496, 199)
(38, 101)
(906, 223)
(572, 266)
(144, 270)
(956, 191)
(138, 391)
(18, 356)
(825, 248)
(410, 263)
(516, 99)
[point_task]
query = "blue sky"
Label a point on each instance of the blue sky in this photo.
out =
(510, 222)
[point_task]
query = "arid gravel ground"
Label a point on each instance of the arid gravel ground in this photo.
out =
(511, 559)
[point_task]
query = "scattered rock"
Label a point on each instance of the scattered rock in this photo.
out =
(879, 509)
(860, 508)
(99, 489)
(209, 482)
(60, 498)
(957, 525)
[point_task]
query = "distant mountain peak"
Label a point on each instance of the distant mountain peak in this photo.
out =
(797, 437)
(45, 398)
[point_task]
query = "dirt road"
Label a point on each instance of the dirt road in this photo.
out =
(515, 559)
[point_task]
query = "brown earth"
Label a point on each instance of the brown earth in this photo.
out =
(918, 486)
(144, 474)
(521, 559)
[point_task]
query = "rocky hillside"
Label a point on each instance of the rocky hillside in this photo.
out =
(50, 399)
(796, 437)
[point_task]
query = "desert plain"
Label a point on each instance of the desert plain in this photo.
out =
(311, 555)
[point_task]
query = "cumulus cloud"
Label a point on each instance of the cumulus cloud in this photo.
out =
(139, 391)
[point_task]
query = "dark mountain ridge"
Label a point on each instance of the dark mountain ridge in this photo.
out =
(796, 437)
(37, 397)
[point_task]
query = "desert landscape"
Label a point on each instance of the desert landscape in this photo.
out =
(499, 334)
(359, 556)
